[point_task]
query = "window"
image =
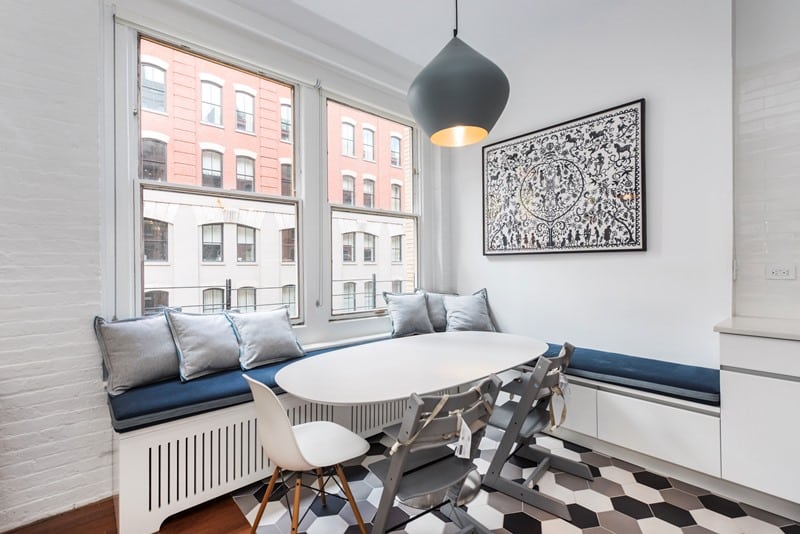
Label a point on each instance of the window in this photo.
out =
(155, 240)
(397, 248)
(369, 248)
(244, 112)
(287, 245)
(348, 139)
(348, 246)
(245, 244)
(154, 85)
(155, 301)
(287, 187)
(245, 173)
(348, 190)
(212, 169)
(369, 295)
(246, 299)
(350, 296)
(368, 143)
(286, 122)
(213, 300)
(211, 103)
(369, 193)
(395, 150)
(154, 160)
(359, 214)
(289, 298)
(212, 242)
(397, 286)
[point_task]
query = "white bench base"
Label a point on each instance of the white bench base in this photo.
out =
(167, 468)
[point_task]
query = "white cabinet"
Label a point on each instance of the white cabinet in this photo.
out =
(760, 397)
(581, 409)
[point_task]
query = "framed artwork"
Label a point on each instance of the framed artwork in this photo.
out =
(577, 186)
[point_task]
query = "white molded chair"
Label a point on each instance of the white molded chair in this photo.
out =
(306, 447)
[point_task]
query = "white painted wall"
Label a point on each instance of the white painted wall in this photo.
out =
(767, 168)
(55, 434)
(578, 57)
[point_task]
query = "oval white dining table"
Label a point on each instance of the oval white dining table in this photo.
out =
(392, 369)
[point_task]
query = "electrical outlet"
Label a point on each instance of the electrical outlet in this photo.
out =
(781, 271)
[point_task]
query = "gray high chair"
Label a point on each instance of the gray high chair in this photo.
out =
(423, 471)
(523, 418)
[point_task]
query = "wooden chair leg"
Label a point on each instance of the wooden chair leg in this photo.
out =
(296, 504)
(353, 505)
(321, 485)
(264, 501)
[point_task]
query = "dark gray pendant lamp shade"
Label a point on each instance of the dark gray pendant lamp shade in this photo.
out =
(458, 97)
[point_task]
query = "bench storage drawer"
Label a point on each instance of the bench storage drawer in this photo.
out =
(674, 434)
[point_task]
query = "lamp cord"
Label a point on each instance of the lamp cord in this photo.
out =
(455, 30)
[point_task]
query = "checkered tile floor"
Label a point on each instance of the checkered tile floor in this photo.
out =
(623, 499)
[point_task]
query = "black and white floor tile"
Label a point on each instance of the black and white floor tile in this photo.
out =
(622, 499)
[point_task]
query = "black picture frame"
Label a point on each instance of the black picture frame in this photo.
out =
(576, 186)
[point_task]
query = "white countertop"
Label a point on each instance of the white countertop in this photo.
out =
(761, 327)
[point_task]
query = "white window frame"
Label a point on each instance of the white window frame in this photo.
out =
(121, 282)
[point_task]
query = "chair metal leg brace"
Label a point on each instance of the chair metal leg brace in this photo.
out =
(537, 454)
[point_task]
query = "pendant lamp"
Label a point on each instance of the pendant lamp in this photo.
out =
(458, 97)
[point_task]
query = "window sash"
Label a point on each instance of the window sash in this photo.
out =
(213, 300)
(395, 145)
(286, 122)
(287, 245)
(348, 139)
(211, 103)
(369, 248)
(397, 248)
(368, 144)
(212, 169)
(212, 243)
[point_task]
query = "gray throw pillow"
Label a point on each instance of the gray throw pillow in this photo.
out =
(136, 351)
(206, 343)
(436, 310)
(409, 314)
(264, 337)
(469, 312)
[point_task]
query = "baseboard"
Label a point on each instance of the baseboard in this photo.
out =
(730, 490)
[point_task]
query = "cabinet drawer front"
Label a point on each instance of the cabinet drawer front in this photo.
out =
(779, 356)
(760, 434)
(672, 434)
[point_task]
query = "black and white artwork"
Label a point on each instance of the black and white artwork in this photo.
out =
(573, 187)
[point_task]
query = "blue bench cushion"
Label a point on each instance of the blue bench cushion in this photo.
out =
(172, 399)
(699, 384)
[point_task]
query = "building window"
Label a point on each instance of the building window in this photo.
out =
(245, 244)
(212, 242)
(369, 295)
(155, 301)
(397, 204)
(369, 248)
(211, 103)
(369, 193)
(244, 112)
(156, 246)
(350, 296)
(245, 173)
(287, 245)
(154, 160)
(246, 299)
(286, 122)
(348, 139)
(397, 248)
(348, 247)
(348, 190)
(358, 228)
(154, 88)
(212, 169)
(395, 151)
(368, 143)
(289, 298)
(287, 187)
(397, 286)
(213, 300)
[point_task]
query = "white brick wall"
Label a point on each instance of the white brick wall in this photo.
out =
(767, 186)
(55, 435)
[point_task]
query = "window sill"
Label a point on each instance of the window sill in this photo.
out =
(247, 263)
(288, 263)
(156, 112)
(214, 125)
(245, 132)
(287, 141)
(220, 263)
(156, 263)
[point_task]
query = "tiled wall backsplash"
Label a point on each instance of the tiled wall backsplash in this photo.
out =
(767, 189)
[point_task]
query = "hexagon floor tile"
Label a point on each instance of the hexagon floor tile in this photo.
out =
(624, 499)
